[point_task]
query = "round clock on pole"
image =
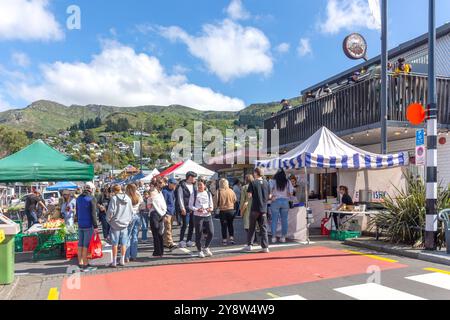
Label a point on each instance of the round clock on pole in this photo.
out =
(355, 47)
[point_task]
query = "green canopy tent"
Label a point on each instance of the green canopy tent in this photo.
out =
(41, 163)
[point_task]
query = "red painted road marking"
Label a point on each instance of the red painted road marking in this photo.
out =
(221, 277)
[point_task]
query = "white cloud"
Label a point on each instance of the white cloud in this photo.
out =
(20, 59)
(349, 15)
(4, 105)
(304, 47)
(228, 49)
(119, 76)
(236, 10)
(283, 48)
(28, 20)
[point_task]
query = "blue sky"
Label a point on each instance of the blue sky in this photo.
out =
(208, 54)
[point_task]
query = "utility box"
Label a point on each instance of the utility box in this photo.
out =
(7, 254)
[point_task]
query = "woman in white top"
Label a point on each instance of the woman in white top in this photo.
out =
(136, 223)
(281, 191)
(203, 206)
(158, 210)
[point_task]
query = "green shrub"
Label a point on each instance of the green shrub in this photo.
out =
(404, 217)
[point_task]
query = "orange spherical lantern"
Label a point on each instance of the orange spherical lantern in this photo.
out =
(415, 114)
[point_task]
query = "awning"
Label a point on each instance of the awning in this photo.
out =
(63, 186)
(325, 150)
(41, 163)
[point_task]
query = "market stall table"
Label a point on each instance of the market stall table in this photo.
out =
(348, 216)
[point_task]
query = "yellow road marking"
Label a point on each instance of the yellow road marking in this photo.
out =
(53, 294)
(274, 296)
(437, 270)
(372, 256)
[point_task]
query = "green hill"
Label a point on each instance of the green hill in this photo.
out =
(49, 117)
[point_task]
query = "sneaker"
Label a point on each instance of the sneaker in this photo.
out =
(274, 239)
(190, 244)
(224, 242)
(232, 241)
(89, 269)
(247, 249)
(201, 255)
(182, 244)
(208, 252)
(265, 250)
(283, 240)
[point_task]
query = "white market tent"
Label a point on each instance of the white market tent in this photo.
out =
(326, 151)
(149, 177)
(179, 171)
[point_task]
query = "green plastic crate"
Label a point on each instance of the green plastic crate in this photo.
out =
(72, 237)
(49, 240)
(344, 235)
(18, 243)
(20, 223)
(53, 253)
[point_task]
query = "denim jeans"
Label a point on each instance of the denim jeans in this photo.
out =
(105, 225)
(31, 218)
(133, 237)
(188, 223)
(280, 209)
(145, 223)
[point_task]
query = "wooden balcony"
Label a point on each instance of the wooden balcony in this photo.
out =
(356, 107)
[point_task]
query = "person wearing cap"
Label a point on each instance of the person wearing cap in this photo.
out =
(68, 208)
(86, 205)
(185, 194)
(169, 197)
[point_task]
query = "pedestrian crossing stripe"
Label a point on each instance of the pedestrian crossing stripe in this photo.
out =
(436, 279)
(371, 256)
(437, 270)
(295, 297)
(53, 294)
(373, 291)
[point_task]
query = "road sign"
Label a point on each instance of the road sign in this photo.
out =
(420, 155)
(420, 137)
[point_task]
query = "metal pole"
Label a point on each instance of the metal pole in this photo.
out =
(384, 76)
(140, 147)
(432, 187)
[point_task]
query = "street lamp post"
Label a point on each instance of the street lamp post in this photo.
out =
(384, 76)
(431, 174)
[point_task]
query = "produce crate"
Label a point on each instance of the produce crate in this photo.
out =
(71, 237)
(53, 253)
(30, 243)
(344, 235)
(71, 249)
(20, 223)
(49, 240)
(18, 243)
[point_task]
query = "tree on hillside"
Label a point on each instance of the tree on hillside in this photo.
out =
(11, 141)
(148, 125)
(89, 136)
(98, 122)
(82, 125)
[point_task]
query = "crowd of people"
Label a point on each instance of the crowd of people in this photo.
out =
(127, 213)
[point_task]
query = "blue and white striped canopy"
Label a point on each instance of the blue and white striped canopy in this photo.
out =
(325, 150)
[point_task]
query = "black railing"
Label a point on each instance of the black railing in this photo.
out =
(356, 107)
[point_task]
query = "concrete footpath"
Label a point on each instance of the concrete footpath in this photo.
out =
(440, 257)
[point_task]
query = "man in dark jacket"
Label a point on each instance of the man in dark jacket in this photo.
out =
(87, 224)
(185, 192)
(169, 196)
